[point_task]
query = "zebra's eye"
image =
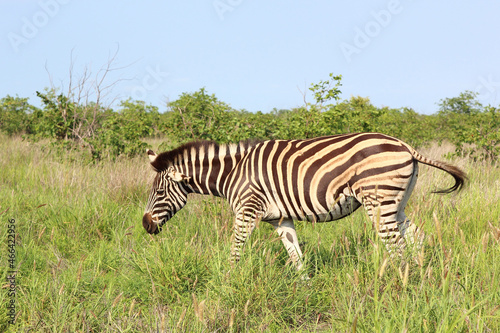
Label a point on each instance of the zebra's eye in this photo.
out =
(160, 190)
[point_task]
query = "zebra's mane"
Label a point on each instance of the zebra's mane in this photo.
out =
(166, 159)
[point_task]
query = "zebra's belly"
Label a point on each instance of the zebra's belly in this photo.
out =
(343, 206)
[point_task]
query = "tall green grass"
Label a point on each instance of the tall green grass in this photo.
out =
(85, 264)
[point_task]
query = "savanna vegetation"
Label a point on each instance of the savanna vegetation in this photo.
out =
(68, 122)
(75, 179)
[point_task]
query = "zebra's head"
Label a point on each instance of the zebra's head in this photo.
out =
(168, 195)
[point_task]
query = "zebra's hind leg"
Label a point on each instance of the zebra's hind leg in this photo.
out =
(413, 235)
(397, 232)
(401, 237)
(385, 206)
(286, 230)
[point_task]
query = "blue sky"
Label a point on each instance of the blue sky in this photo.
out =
(256, 55)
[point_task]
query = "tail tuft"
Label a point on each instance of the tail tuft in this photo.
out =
(459, 175)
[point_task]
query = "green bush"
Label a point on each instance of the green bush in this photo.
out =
(102, 132)
(60, 119)
(473, 128)
(199, 116)
(121, 132)
(481, 138)
(14, 115)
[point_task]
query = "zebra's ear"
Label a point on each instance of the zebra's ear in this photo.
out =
(177, 176)
(152, 159)
(151, 155)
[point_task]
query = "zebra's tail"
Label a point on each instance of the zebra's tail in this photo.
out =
(459, 175)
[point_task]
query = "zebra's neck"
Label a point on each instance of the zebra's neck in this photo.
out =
(209, 165)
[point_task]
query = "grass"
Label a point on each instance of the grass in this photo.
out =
(85, 264)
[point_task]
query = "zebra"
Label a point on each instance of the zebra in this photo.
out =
(281, 181)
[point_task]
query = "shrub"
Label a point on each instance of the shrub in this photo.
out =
(472, 127)
(101, 131)
(14, 115)
(121, 132)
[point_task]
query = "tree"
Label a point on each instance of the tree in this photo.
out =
(199, 116)
(121, 132)
(466, 103)
(15, 115)
(472, 127)
(327, 90)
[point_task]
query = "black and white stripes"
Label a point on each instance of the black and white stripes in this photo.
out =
(279, 181)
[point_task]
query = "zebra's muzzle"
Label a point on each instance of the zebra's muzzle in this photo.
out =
(149, 225)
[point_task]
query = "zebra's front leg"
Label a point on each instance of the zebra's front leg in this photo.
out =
(286, 230)
(243, 227)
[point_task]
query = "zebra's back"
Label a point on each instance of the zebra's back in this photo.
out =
(321, 179)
